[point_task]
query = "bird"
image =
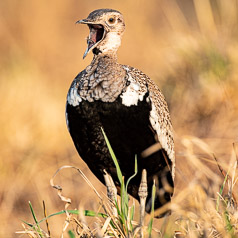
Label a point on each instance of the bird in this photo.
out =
(129, 107)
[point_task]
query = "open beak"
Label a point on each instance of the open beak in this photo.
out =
(96, 35)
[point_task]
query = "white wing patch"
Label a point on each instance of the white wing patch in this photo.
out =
(73, 97)
(133, 93)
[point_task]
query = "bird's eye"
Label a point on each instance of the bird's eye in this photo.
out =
(111, 20)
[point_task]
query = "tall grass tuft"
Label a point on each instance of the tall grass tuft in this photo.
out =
(206, 208)
(121, 225)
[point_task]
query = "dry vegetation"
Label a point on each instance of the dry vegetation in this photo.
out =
(189, 47)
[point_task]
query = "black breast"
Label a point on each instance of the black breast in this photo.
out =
(129, 132)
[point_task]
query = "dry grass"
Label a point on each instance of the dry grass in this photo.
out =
(188, 47)
(207, 207)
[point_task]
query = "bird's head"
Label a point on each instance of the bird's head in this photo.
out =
(106, 29)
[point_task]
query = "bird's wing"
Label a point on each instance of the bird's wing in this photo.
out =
(161, 122)
(159, 114)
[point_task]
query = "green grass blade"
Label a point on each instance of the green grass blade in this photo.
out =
(125, 199)
(123, 210)
(90, 213)
(118, 208)
(135, 173)
(86, 213)
(123, 215)
(119, 173)
(27, 223)
(35, 219)
(33, 213)
(132, 212)
(220, 193)
(228, 222)
(132, 216)
(152, 210)
(71, 234)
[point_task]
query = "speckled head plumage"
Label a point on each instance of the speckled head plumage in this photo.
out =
(106, 29)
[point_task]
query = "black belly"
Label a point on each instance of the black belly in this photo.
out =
(129, 132)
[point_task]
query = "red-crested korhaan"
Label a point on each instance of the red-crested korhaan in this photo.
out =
(130, 108)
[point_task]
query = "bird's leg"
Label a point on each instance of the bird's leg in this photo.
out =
(111, 191)
(143, 192)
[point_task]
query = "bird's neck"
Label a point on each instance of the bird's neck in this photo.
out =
(106, 77)
(104, 63)
(105, 58)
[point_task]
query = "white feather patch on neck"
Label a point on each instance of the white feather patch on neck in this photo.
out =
(112, 42)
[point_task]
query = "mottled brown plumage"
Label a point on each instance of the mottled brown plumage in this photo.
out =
(128, 105)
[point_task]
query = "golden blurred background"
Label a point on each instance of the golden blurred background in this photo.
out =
(189, 47)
